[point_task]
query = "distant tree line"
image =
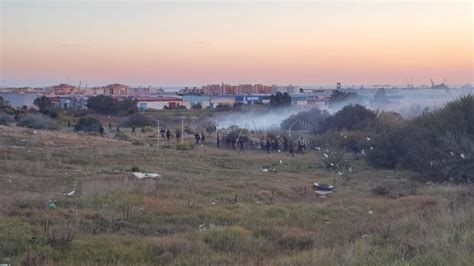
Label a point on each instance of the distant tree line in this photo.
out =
(108, 105)
(280, 100)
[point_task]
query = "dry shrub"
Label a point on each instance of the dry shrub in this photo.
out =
(232, 238)
(59, 235)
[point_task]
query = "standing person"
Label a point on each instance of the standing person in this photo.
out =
(69, 123)
(285, 144)
(110, 126)
(178, 135)
(300, 147)
(196, 137)
(291, 149)
(234, 141)
(163, 133)
(133, 130)
(203, 138)
(118, 129)
(168, 135)
(268, 145)
(218, 141)
(241, 142)
(101, 131)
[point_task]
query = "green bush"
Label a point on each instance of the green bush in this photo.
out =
(138, 120)
(88, 124)
(227, 239)
(38, 121)
(15, 236)
(351, 117)
(108, 105)
(6, 119)
(121, 135)
(184, 147)
(439, 144)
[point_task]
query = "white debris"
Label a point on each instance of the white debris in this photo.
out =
(332, 164)
(264, 170)
(339, 172)
(371, 148)
(281, 161)
(70, 194)
(462, 156)
(213, 203)
(326, 155)
(368, 139)
(371, 212)
(23, 140)
(318, 148)
(345, 137)
(452, 153)
(9, 180)
(141, 176)
(365, 235)
(350, 169)
(363, 152)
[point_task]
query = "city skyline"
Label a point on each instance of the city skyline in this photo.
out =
(194, 44)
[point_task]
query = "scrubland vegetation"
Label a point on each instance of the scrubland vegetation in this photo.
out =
(212, 206)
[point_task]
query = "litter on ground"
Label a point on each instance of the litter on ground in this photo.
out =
(322, 189)
(70, 194)
(141, 176)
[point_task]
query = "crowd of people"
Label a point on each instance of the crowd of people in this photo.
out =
(231, 140)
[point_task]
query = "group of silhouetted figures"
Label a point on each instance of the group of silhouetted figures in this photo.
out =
(269, 144)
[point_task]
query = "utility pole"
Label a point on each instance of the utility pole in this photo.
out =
(182, 132)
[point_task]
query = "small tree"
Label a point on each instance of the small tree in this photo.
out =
(280, 100)
(43, 103)
(88, 124)
(4, 103)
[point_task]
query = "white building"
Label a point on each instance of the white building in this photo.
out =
(160, 103)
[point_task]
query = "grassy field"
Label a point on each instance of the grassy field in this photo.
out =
(216, 207)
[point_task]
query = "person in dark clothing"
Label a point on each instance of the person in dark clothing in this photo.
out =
(300, 147)
(68, 123)
(178, 135)
(118, 129)
(218, 141)
(276, 145)
(203, 138)
(196, 137)
(234, 141)
(285, 144)
(168, 135)
(241, 142)
(110, 127)
(133, 130)
(101, 131)
(163, 132)
(291, 149)
(268, 145)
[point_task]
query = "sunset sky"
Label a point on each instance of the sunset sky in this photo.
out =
(170, 44)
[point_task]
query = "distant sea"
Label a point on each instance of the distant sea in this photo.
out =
(20, 99)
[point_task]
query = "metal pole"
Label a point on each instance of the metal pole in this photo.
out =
(265, 130)
(182, 132)
(159, 134)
